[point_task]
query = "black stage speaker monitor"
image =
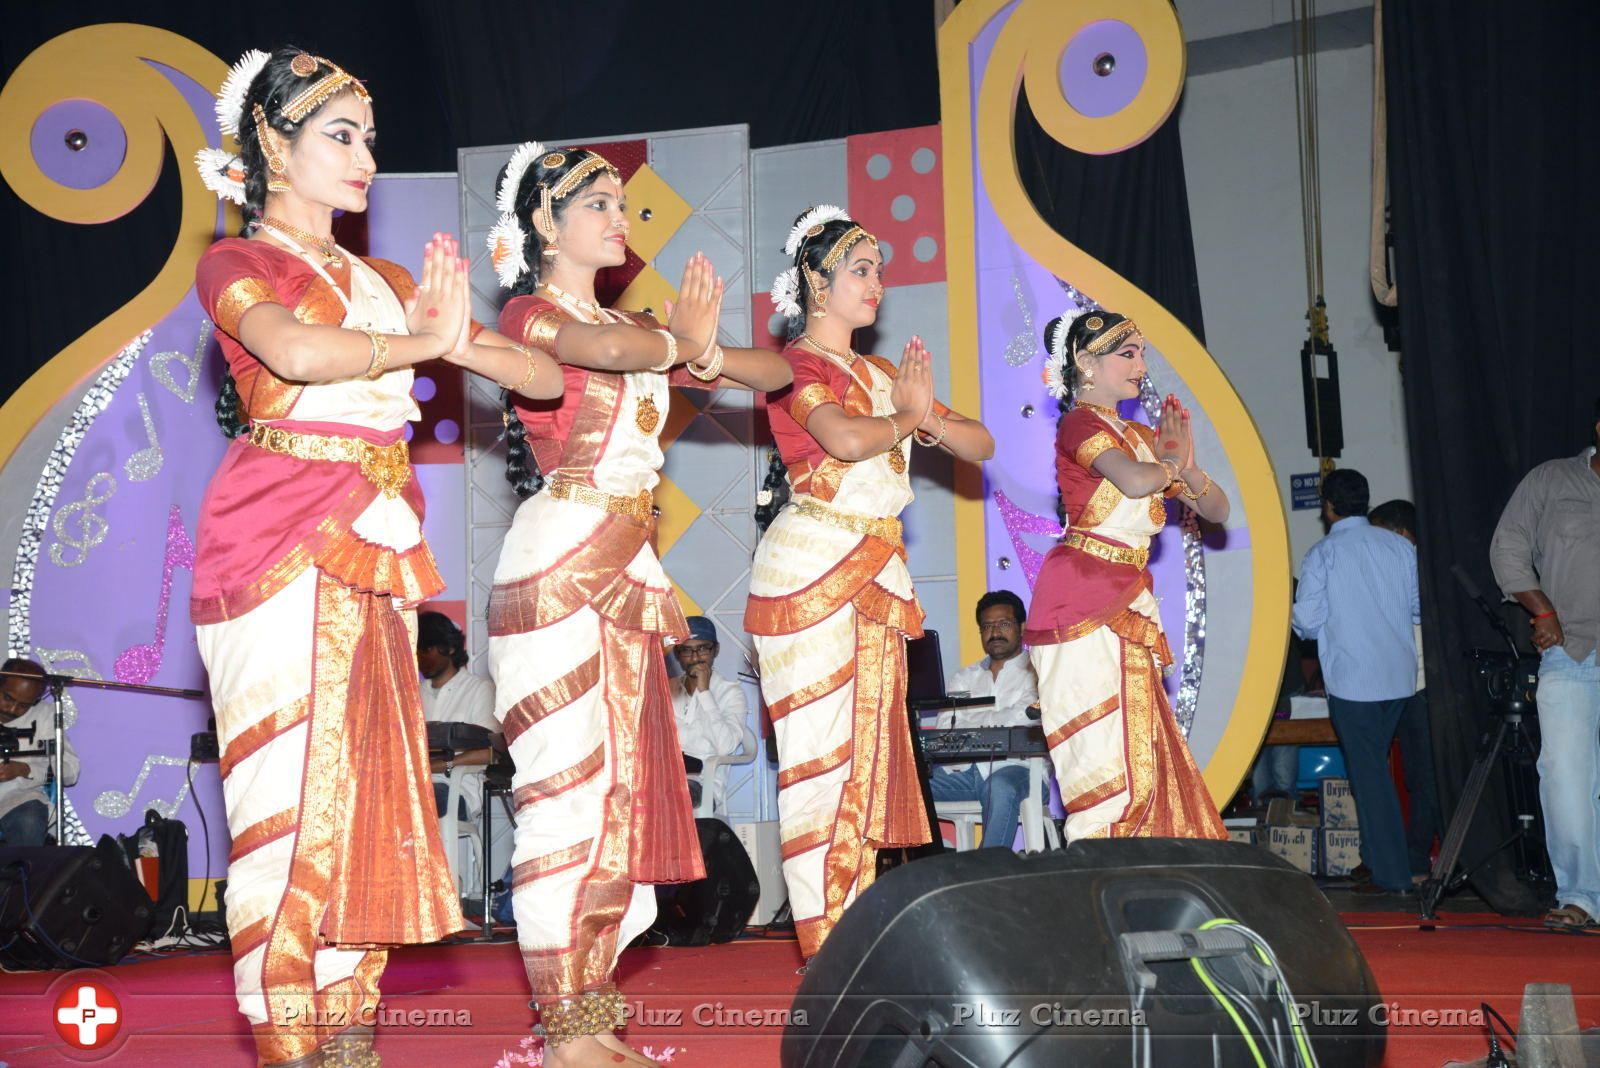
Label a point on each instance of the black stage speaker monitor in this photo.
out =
(716, 908)
(69, 906)
(988, 958)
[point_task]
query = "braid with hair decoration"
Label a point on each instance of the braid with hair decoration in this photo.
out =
(536, 184)
(280, 90)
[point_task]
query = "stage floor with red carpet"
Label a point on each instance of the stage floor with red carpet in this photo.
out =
(467, 1004)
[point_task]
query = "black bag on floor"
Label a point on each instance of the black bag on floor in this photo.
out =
(171, 841)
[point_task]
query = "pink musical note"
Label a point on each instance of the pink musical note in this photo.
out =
(140, 663)
(1019, 522)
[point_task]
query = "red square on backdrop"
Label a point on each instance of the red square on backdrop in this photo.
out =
(896, 189)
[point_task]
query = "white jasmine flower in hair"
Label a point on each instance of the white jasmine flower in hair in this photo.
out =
(1054, 380)
(763, 498)
(506, 242)
(786, 293)
(230, 101)
(222, 172)
(818, 216)
(506, 199)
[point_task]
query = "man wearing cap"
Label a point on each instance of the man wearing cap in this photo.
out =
(710, 710)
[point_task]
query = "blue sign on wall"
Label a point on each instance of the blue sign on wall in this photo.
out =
(1305, 491)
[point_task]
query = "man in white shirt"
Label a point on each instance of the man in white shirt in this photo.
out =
(1006, 674)
(24, 805)
(710, 710)
(451, 695)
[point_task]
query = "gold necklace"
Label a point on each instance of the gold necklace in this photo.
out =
(324, 245)
(576, 302)
(849, 357)
(1101, 409)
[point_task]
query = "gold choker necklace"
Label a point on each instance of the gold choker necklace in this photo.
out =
(590, 306)
(324, 245)
(849, 357)
(1101, 409)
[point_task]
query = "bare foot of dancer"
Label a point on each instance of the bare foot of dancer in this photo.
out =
(596, 1051)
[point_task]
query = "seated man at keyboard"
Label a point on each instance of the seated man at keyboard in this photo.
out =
(453, 695)
(1006, 674)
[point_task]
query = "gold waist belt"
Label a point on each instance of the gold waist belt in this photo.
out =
(886, 528)
(641, 506)
(1116, 554)
(386, 466)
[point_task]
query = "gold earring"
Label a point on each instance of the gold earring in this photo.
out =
(821, 311)
(551, 252)
(276, 182)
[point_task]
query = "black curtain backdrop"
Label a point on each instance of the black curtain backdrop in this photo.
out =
(1129, 210)
(1492, 163)
(472, 72)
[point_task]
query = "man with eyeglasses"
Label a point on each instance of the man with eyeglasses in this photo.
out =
(24, 805)
(1007, 675)
(710, 709)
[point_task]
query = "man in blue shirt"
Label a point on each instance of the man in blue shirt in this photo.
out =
(1358, 600)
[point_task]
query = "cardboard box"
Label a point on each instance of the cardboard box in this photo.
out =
(1338, 803)
(1243, 829)
(1340, 849)
(1297, 845)
(1283, 813)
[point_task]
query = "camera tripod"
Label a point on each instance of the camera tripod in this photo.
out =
(1511, 680)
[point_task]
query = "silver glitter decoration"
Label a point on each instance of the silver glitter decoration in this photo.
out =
(145, 464)
(1194, 564)
(55, 661)
(114, 804)
(1022, 348)
(76, 524)
(161, 365)
(43, 502)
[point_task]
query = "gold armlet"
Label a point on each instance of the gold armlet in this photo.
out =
(541, 334)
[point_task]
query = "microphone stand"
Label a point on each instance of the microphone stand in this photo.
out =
(57, 685)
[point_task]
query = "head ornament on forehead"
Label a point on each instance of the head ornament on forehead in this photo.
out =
(313, 96)
(507, 238)
(811, 224)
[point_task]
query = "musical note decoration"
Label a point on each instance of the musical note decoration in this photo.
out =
(145, 464)
(139, 664)
(161, 366)
(87, 529)
(114, 804)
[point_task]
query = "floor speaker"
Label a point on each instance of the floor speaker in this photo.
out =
(716, 908)
(987, 957)
(68, 906)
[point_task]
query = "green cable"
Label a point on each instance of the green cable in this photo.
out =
(1227, 1005)
(1296, 1025)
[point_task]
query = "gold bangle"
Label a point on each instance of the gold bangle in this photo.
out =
(936, 442)
(1172, 472)
(898, 438)
(672, 352)
(380, 353)
(533, 369)
(713, 369)
(1203, 489)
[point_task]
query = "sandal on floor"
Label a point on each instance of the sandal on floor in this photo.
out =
(1569, 916)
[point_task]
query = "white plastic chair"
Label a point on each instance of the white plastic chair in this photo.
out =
(1038, 829)
(463, 841)
(707, 775)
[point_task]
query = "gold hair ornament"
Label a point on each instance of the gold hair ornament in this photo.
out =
(841, 246)
(1109, 340)
(314, 96)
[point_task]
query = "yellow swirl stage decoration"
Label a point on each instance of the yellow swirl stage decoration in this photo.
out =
(1027, 52)
(111, 65)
